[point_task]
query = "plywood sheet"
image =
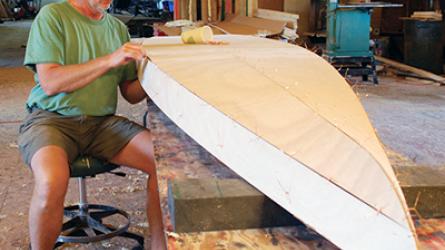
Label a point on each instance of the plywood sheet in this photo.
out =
(291, 19)
(250, 25)
(288, 123)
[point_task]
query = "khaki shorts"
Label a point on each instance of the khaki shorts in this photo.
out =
(98, 136)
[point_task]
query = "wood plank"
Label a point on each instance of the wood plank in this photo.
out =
(205, 10)
(214, 10)
(198, 205)
(195, 9)
(427, 15)
(240, 8)
(262, 103)
(184, 9)
(228, 8)
(424, 189)
(291, 19)
(249, 25)
(252, 5)
(177, 10)
(414, 70)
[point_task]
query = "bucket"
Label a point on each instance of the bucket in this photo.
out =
(203, 34)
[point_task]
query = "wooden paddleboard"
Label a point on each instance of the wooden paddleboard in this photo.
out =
(289, 124)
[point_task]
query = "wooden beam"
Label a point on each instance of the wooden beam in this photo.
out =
(198, 205)
(417, 71)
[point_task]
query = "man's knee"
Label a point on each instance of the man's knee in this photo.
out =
(50, 191)
(146, 143)
(51, 175)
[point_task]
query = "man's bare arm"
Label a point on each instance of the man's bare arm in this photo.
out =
(132, 91)
(56, 78)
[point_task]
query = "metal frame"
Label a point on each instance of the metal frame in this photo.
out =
(85, 223)
(356, 66)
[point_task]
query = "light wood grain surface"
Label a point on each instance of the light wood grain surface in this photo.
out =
(298, 105)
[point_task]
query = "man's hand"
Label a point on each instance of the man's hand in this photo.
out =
(125, 54)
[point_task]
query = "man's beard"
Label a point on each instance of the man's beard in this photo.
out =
(99, 6)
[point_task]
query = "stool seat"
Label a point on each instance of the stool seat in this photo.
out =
(89, 166)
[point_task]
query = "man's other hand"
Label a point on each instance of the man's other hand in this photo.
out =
(125, 54)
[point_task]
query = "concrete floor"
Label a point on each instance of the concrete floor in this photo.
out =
(13, 38)
(407, 114)
(409, 117)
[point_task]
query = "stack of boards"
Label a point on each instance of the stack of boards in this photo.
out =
(287, 122)
(213, 10)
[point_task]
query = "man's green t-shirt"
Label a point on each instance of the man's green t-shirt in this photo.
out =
(62, 35)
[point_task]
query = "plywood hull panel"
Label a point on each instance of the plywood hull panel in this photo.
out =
(255, 105)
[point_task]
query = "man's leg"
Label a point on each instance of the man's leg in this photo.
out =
(51, 175)
(138, 153)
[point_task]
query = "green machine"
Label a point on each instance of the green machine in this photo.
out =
(348, 37)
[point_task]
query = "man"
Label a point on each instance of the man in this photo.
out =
(80, 55)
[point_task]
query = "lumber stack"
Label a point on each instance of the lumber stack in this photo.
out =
(427, 15)
(213, 10)
(237, 17)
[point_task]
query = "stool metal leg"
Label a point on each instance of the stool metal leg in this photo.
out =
(83, 203)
